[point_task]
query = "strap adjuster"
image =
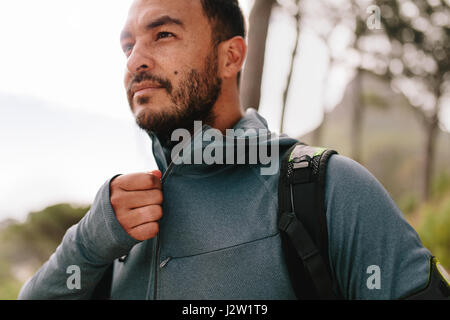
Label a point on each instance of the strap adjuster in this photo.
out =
(301, 162)
(285, 220)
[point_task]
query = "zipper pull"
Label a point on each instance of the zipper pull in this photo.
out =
(165, 262)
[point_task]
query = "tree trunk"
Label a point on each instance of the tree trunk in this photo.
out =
(291, 67)
(252, 76)
(317, 135)
(431, 133)
(357, 118)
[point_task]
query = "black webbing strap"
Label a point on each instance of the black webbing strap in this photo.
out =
(302, 221)
(309, 254)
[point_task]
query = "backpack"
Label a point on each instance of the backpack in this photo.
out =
(301, 221)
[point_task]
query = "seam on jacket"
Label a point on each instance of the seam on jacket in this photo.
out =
(274, 195)
(227, 248)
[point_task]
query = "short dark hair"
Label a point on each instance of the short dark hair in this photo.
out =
(226, 18)
(227, 21)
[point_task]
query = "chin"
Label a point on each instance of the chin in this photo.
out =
(137, 110)
(140, 106)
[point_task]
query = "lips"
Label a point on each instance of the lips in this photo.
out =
(145, 87)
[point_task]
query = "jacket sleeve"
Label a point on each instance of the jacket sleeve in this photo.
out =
(87, 249)
(373, 251)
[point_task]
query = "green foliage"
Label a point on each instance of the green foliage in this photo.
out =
(435, 221)
(441, 185)
(24, 247)
(434, 230)
(9, 285)
(43, 231)
(408, 204)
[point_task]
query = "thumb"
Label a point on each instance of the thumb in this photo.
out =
(156, 173)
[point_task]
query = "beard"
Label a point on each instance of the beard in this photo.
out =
(193, 100)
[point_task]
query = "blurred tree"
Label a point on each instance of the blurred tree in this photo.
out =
(418, 64)
(409, 46)
(297, 17)
(434, 221)
(406, 41)
(39, 236)
(328, 18)
(357, 117)
(253, 71)
(24, 247)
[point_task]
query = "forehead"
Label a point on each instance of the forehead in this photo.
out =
(189, 12)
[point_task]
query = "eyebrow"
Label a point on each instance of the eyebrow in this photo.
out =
(164, 20)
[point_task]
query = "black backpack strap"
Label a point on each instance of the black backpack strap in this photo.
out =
(302, 221)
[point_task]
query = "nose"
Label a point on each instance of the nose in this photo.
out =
(139, 60)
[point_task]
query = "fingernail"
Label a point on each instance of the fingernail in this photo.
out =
(156, 173)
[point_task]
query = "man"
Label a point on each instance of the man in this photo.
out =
(209, 231)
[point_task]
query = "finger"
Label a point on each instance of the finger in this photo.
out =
(145, 231)
(126, 200)
(140, 216)
(138, 181)
(156, 173)
(138, 199)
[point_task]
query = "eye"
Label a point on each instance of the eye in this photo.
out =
(164, 34)
(127, 48)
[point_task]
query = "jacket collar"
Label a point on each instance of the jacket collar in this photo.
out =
(251, 125)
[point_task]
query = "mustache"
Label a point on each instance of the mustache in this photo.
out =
(144, 76)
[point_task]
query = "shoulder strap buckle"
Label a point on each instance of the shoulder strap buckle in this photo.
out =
(301, 162)
(285, 220)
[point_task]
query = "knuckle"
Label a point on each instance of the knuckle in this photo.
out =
(156, 212)
(115, 200)
(158, 196)
(148, 232)
(153, 229)
(115, 183)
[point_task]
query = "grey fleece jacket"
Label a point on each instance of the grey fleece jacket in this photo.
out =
(219, 239)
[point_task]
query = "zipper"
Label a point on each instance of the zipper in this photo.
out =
(158, 243)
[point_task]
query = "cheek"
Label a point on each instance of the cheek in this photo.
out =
(126, 79)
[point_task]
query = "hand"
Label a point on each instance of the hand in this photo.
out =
(136, 199)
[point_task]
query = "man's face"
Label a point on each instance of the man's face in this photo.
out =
(171, 76)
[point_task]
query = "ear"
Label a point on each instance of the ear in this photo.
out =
(231, 57)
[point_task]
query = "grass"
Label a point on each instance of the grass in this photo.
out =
(432, 220)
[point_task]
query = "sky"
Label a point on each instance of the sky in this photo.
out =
(65, 124)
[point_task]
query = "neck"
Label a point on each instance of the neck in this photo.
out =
(227, 110)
